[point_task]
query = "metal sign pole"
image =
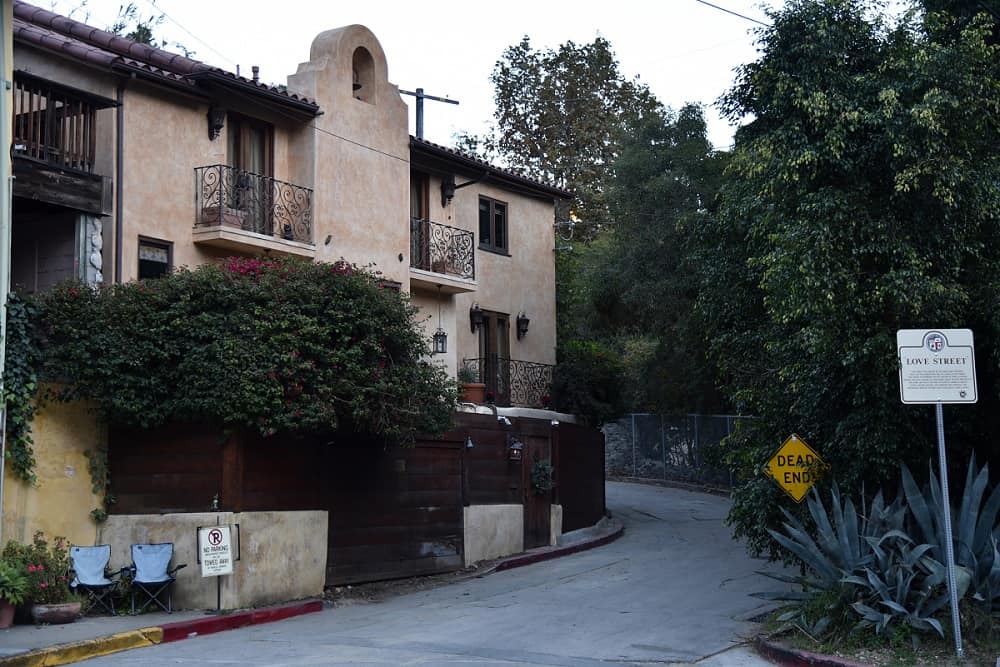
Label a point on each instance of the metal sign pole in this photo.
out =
(948, 546)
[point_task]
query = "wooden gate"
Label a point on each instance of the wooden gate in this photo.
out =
(537, 506)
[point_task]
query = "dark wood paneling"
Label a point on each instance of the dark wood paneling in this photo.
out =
(579, 474)
(537, 506)
(395, 513)
(177, 468)
(39, 181)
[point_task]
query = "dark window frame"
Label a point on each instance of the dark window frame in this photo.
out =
(154, 242)
(490, 245)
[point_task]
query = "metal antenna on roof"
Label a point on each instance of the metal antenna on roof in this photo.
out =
(421, 96)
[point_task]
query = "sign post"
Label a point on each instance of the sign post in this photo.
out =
(939, 366)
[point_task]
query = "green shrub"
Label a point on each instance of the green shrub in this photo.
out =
(278, 345)
(587, 382)
(13, 583)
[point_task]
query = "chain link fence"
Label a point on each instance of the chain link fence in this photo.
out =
(664, 447)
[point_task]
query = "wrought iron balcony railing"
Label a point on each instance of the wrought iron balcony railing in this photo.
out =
(523, 384)
(442, 249)
(260, 204)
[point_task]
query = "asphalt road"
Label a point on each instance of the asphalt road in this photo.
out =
(673, 590)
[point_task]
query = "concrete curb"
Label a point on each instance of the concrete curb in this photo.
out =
(63, 654)
(790, 657)
(546, 553)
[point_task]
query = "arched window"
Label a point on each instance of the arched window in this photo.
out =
(363, 68)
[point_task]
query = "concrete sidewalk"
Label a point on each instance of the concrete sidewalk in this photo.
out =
(89, 637)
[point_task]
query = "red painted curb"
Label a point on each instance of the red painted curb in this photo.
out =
(206, 626)
(790, 657)
(529, 559)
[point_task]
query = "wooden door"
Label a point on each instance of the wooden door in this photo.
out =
(537, 505)
(494, 350)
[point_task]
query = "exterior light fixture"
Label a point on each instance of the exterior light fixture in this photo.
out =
(475, 317)
(522, 325)
(515, 450)
(440, 337)
(216, 121)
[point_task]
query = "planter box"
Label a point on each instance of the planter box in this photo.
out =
(230, 217)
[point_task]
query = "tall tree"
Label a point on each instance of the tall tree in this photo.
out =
(561, 115)
(640, 285)
(862, 198)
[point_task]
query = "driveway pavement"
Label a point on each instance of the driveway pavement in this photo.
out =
(673, 590)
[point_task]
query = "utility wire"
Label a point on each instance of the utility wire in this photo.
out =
(190, 34)
(729, 11)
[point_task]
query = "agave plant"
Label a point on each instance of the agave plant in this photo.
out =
(843, 544)
(974, 531)
(902, 582)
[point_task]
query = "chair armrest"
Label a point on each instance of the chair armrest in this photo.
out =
(174, 571)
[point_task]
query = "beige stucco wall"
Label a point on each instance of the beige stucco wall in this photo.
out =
(492, 531)
(361, 149)
(523, 281)
(282, 555)
(61, 502)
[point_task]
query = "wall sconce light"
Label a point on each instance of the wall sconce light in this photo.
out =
(216, 121)
(515, 450)
(522, 325)
(475, 317)
(447, 190)
(440, 337)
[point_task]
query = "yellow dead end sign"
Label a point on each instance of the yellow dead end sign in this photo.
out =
(795, 467)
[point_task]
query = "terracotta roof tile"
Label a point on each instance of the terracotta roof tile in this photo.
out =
(78, 40)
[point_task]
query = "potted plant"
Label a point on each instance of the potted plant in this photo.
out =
(471, 389)
(13, 589)
(46, 569)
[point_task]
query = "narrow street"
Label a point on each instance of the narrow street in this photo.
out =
(673, 590)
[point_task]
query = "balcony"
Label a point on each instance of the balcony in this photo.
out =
(55, 145)
(245, 212)
(442, 256)
(513, 383)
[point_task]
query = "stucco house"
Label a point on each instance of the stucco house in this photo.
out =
(130, 161)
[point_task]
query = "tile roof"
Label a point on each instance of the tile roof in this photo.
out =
(473, 164)
(79, 41)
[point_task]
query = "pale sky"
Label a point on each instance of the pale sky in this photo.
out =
(684, 50)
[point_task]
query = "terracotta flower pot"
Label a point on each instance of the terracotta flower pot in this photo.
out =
(473, 392)
(58, 612)
(6, 613)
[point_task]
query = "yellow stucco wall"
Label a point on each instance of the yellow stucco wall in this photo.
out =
(61, 502)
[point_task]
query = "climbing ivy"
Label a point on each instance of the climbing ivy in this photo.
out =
(20, 385)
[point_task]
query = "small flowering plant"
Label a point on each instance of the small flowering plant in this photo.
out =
(45, 566)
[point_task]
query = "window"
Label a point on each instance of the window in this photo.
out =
(154, 258)
(248, 145)
(492, 225)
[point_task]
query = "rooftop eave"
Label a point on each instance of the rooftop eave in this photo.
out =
(302, 108)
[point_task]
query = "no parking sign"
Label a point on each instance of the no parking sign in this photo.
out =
(215, 550)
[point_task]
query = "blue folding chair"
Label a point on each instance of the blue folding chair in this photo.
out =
(151, 574)
(89, 566)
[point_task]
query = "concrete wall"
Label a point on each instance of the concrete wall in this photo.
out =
(60, 503)
(282, 555)
(555, 527)
(493, 531)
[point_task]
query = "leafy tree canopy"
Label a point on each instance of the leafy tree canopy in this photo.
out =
(862, 198)
(275, 345)
(561, 115)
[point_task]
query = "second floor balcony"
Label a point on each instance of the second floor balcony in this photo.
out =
(512, 382)
(442, 256)
(247, 212)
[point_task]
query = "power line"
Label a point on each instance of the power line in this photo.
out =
(729, 11)
(190, 34)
